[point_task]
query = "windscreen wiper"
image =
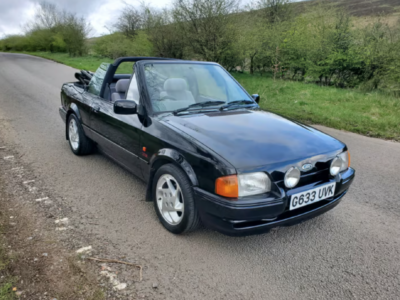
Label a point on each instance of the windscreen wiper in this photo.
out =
(236, 103)
(200, 104)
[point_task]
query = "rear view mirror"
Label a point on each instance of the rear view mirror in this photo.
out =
(256, 97)
(125, 107)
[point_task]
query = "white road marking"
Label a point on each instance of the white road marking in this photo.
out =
(84, 250)
(28, 181)
(8, 157)
(120, 286)
(61, 228)
(117, 285)
(62, 221)
(41, 199)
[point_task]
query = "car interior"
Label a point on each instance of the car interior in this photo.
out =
(165, 93)
(118, 90)
(122, 87)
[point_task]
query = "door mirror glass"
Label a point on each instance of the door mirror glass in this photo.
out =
(125, 107)
(256, 98)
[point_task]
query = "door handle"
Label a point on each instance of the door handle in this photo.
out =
(96, 109)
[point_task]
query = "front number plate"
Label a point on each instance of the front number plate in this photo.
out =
(312, 196)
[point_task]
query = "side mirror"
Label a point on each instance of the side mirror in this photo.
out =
(256, 98)
(125, 107)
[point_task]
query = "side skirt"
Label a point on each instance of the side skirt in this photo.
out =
(128, 160)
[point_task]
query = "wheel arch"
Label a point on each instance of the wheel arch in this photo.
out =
(169, 156)
(73, 109)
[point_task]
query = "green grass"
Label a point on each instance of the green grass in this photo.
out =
(7, 282)
(6, 292)
(88, 62)
(373, 114)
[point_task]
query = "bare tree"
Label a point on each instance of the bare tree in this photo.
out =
(167, 38)
(74, 30)
(46, 16)
(274, 10)
(130, 21)
(208, 25)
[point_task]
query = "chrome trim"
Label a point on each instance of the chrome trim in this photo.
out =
(244, 221)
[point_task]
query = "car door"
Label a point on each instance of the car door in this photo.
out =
(91, 93)
(118, 135)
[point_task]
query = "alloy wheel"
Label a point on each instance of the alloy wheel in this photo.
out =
(170, 199)
(73, 134)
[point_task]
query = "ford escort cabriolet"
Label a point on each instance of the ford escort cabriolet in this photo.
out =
(205, 149)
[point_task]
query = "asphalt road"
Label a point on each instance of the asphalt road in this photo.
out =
(352, 252)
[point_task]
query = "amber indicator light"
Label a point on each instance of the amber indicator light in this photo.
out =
(348, 152)
(227, 186)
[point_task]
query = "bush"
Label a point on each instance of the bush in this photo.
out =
(13, 42)
(325, 46)
(51, 30)
(117, 44)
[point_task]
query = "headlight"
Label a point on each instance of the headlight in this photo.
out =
(253, 184)
(340, 163)
(345, 156)
(242, 185)
(336, 165)
(292, 177)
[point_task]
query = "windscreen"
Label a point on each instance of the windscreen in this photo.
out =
(176, 86)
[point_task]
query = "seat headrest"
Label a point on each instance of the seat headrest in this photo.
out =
(122, 85)
(175, 84)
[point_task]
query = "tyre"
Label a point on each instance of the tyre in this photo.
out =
(79, 143)
(173, 200)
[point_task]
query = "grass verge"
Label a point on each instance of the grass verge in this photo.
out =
(6, 281)
(33, 265)
(372, 114)
(88, 62)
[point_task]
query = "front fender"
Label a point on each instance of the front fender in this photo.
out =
(164, 156)
(176, 157)
(74, 108)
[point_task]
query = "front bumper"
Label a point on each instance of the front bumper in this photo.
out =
(257, 216)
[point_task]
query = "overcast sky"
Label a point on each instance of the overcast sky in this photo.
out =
(100, 13)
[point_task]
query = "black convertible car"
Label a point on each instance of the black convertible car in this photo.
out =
(204, 147)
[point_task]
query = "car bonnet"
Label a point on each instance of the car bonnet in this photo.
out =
(248, 138)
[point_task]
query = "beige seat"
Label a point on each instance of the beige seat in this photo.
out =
(175, 96)
(176, 89)
(120, 90)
